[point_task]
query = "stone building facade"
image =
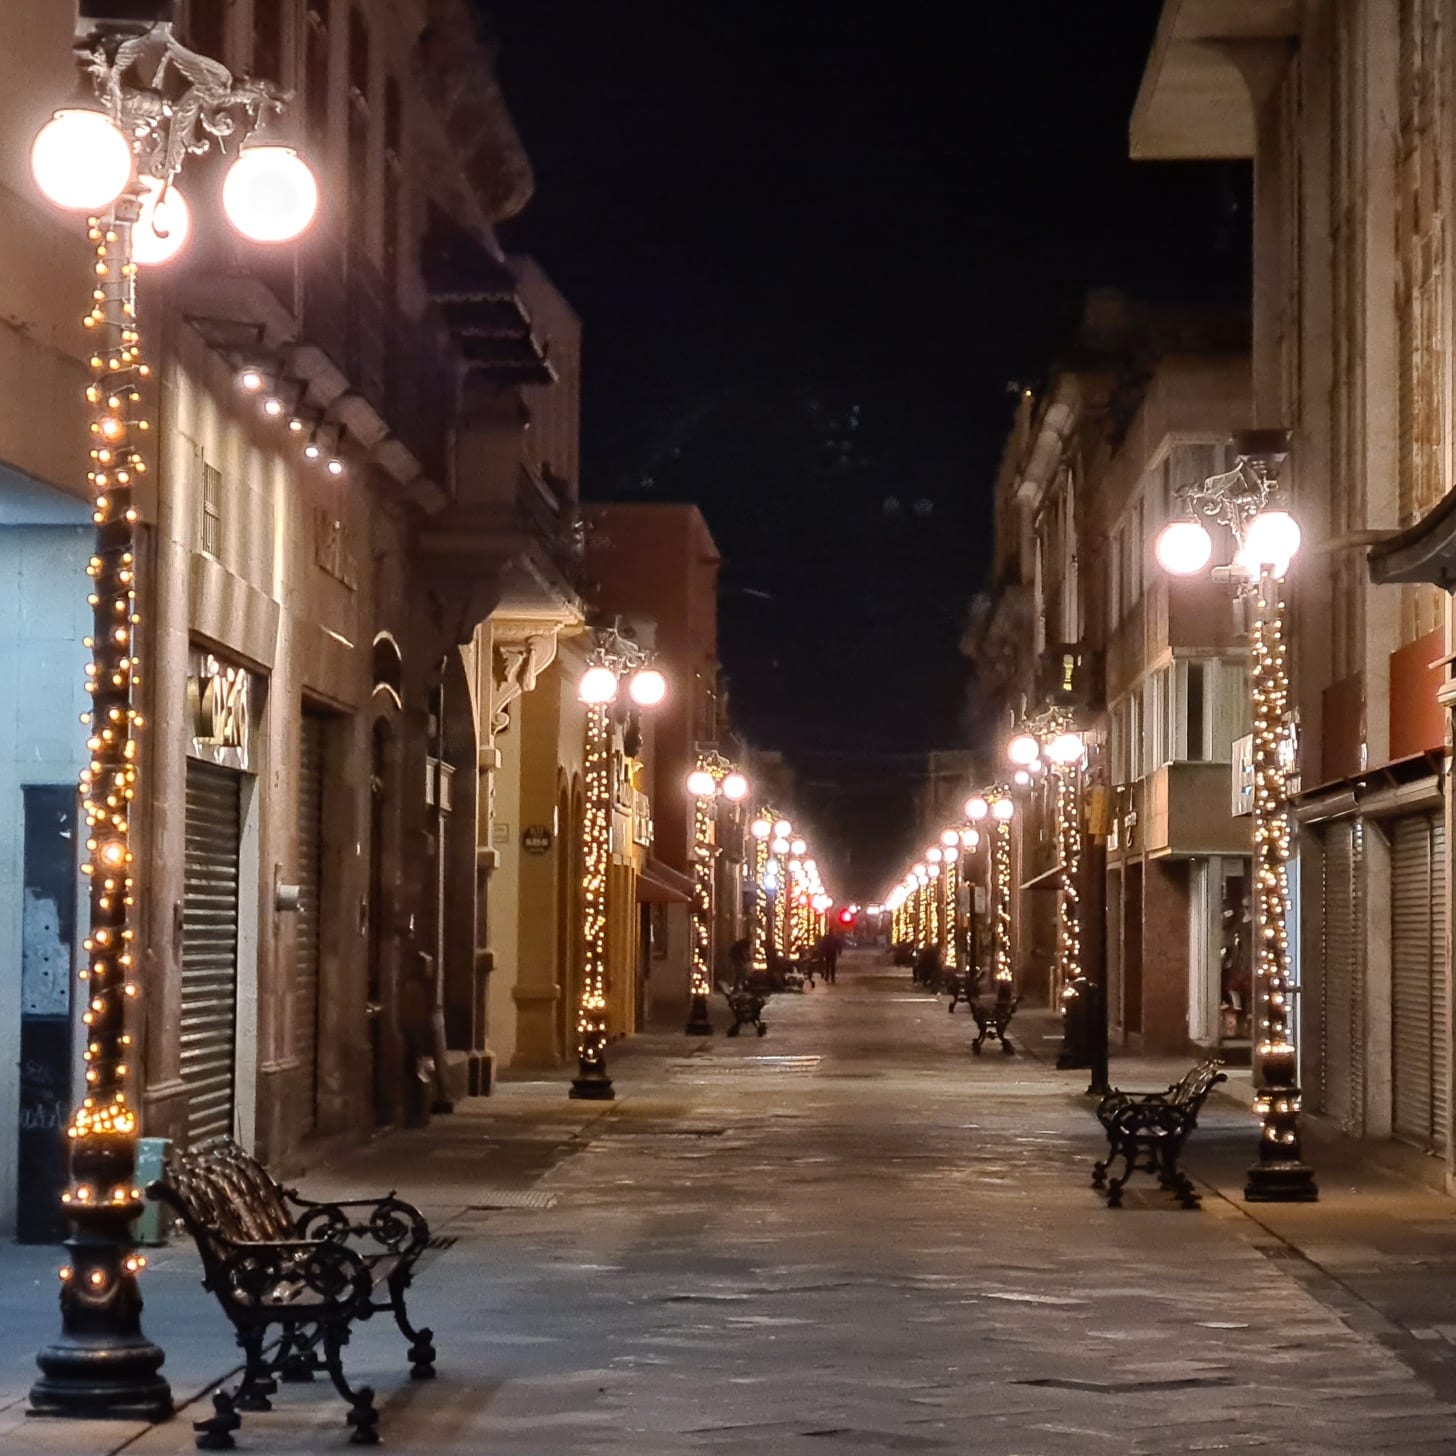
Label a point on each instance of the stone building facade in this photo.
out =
(313, 932)
(1345, 112)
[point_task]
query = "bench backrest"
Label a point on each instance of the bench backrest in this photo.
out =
(224, 1196)
(1196, 1084)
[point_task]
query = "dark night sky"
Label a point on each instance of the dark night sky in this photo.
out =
(810, 245)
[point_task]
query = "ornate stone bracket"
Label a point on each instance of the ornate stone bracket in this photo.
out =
(519, 662)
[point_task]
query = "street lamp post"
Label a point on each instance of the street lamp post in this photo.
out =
(1266, 540)
(116, 159)
(994, 808)
(1050, 737)
(615, 657)
(712, 779)
(761, 927)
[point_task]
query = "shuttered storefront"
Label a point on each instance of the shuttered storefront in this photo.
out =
(210, 947)
(310, 889)
(1419, 1038)
(1341, 1077)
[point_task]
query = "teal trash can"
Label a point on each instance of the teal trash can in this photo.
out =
(151, 1225)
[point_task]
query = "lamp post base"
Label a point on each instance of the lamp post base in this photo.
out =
(698, 1021)
(591, 1084)
(102, 1376)
(1281, 1182)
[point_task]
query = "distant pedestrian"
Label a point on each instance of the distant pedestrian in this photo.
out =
(833, 944)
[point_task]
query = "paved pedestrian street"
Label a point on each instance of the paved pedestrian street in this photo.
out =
(850, 1236)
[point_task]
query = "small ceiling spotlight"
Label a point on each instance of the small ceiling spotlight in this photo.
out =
(335, 467)
(251, 380)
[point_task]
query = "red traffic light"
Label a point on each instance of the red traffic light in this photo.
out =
(846, 917)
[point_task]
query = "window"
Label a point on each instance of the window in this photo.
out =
(210, 517)
(1114, 579)
(1193, 714)
(268, 40)
(316, 73)
(393, 163)
(207, 27)
(358, 121)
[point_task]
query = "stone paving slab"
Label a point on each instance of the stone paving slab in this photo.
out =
(849, 1236)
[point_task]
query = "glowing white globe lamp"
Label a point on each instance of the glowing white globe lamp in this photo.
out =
(932, 855)
(950, 854)
(1021, 778)
(780, 845)
(760, 829)
(269, 193)
(81, 160)
(977, 808)
(1003, 809)
(1023, 749)
(735, 787)
(598, 685)
(701, 783)
(949, 836)
(1183, 548)
(1065, 749)
(1271, 540)
(799, 846)
(163, 223)
(971, 838)
(782, 829)
(647, 687)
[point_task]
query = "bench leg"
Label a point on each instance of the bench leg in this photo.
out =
(257, 1383)
(1114, 1188)
(362, 1415)
(296, 1361)
(422, 1342)
(216, 1432)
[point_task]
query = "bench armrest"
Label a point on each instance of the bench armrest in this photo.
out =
(260, 1276)
(1149, 1117)
(390, 1222)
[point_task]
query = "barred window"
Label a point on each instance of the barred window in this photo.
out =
(210, 517)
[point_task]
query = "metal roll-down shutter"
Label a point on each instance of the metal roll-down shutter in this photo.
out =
(310, 886)
(1339, 988)
(1419, 1040)
(210, 947)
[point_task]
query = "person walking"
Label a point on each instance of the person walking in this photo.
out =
(833, 944)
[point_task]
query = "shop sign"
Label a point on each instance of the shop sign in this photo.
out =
(1243, 780)
(536, 839)
(220, 709)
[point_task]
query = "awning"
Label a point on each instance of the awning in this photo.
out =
(1424, 551)
(660, 884)
(1047, 880)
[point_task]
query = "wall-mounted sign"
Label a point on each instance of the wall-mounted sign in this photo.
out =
(1243, 782)
(220, 709)
(536, 839)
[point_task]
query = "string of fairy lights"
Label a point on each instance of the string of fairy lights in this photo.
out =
(1069, 893)
(109, 782)
(925, 905)
(791, 905)
(1270, 694)
(596, 850)
(702, 903)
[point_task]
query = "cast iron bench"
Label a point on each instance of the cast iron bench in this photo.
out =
(961, 986)
(746, 1006)
(1147, 1130)
(992, 1018)
(307, 1270)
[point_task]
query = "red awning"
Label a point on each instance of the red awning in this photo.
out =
(660, 884)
